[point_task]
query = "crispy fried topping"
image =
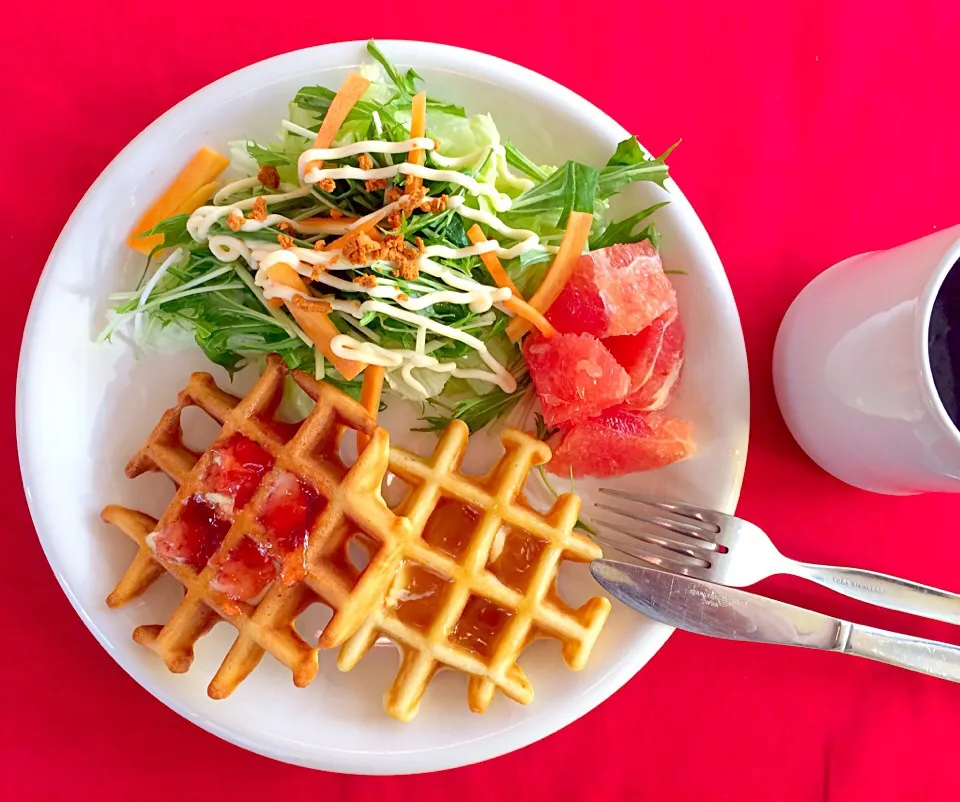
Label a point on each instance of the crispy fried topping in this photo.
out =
(366, 281)
(364, 162)
(413, 199)
(419, 242)
(402, 296)
(394, 220)
(392, 195)
(336, 214)
(259, 210)
(319, 245)
(268, 176)
(434, 204)
(234, 220)
(361, 249)
(311, 304)
(285, 241)
(373, 184)
(285, 227)
(408, 270)
(327, 185)
(392, 246)
(404, 256)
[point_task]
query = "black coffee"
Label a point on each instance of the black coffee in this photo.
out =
(944, 343)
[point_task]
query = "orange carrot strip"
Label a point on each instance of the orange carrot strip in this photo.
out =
(571, 246)
(492, 263)
(363, 228)
(516, 304)
(418, 128)
(350, 91)
(200, 171)
(197, 199)
(317, 326)
(524, 311)
(370, 396)
(312, 226)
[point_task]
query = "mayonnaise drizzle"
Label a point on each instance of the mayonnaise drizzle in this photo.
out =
(499, 200)
(203, 219)
(364, 146)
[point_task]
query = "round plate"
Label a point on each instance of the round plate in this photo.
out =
(83, 408)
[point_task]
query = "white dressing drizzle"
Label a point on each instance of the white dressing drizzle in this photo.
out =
(203, 219)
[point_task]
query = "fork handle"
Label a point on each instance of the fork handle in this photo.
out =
(916, 654)
(883, 590)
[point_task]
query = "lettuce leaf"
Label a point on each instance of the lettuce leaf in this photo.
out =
(623, 230)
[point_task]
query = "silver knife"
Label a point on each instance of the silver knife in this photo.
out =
(720, 612)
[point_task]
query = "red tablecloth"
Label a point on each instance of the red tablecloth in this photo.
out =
(812, 130)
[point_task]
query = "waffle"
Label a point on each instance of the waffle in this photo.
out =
(474, 580)
(317, 570)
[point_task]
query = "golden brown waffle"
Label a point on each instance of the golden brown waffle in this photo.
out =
(474, 581)
(321, 571)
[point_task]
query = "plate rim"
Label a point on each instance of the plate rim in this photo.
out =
(463, 754)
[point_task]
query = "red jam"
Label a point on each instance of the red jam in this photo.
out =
(288, 512)
(238, 466)
(245, 572)
(194, 535)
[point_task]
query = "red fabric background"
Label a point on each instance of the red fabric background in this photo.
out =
(811, 132)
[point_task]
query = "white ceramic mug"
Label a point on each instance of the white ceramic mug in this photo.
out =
(852, 371)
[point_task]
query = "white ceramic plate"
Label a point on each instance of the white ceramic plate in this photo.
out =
(73, 449)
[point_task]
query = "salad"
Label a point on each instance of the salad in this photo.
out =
(386, 240)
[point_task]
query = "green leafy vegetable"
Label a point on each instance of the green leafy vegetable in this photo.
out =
(270, 156)
(479, 411)
(516, 159)
(630, 163)
(571, 188)
(623, 230)
(173, 230)
(406, 82)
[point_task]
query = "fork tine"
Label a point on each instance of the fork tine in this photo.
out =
(701, 533)
(697, 549)
(653, 557)
(706, 516)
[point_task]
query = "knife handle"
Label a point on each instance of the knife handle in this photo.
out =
(884, 590)
(916, 654)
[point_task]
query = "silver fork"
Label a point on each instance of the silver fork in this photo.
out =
(727, 550)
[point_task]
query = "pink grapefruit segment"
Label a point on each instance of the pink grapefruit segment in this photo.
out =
(614, 291)
(574, 375)
(653, 358)
(620, 440)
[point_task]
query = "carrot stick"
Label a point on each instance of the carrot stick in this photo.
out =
(418, 128)
(317, 326)
(492, 263)
(178, 198)
(364, 228)
(515, 304)
(571, 246)
(370, 396)
(312, 226)
(524, 311)
(350, 91)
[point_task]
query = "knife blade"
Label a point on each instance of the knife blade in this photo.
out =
(721, 612)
